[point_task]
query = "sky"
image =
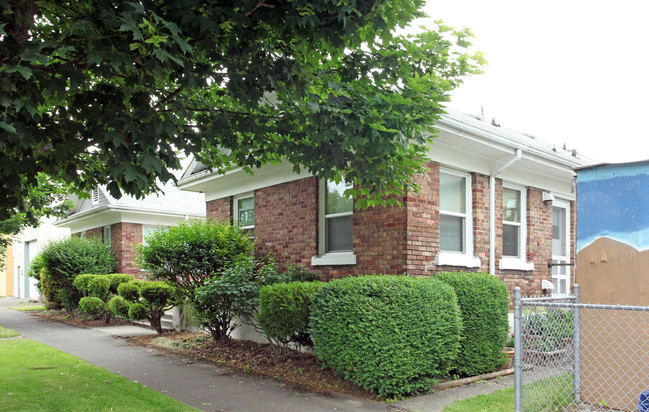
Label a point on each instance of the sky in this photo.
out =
(569, 71)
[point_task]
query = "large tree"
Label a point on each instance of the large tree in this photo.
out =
(107, 92)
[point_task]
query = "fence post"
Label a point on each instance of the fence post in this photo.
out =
(518, 351)
(576, 326)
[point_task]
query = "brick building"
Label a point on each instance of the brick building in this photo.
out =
(493, 200)
(124, 222)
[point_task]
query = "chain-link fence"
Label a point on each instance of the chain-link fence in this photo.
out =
(580, 357)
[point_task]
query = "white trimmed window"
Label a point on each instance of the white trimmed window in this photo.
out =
(454, 211)
(514, 229)
(146, 230)
(513, 223)
(107, 235)
(336, 216)
(244, 212)
(455, 220)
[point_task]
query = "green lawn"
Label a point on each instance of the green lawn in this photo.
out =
(35, 377)
(548, 395)
(7, 333)
(28, 308)
(499, 401)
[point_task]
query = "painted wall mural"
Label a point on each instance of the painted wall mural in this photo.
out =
(613, 268)
(613, 202)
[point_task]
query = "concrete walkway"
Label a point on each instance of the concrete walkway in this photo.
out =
(205, 385)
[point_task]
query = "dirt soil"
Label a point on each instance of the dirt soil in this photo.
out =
(78, 318)
(293, 367)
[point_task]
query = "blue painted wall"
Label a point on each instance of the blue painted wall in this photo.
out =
(613, 201)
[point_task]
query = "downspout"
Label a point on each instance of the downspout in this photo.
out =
(492, 209)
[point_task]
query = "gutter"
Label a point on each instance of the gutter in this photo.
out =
(492, 209)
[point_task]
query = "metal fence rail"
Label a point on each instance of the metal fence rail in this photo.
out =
(571, 356)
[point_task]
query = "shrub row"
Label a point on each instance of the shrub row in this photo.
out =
(393, 334)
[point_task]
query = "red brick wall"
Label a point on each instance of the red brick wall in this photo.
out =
(286, 221)
(395, 239)
(125, 237)
(422, 212)
(219, 209)
(97, 233)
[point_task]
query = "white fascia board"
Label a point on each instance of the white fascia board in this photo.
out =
(106, 215)
(467, 130)
(238, 181)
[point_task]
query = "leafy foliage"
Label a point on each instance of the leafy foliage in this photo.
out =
(232, 294)
(106, 92)
(390, 334)
(118, 306)
(44, 198)
(92, 306)
(64, 260)
(484, 304)
(284, 311)
(117, 279)
(187, 255)
(144, 300)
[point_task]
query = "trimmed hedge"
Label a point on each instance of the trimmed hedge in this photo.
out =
(92, 306)
(144, 300)
(484, 304)
(117, 279)
(284, 310)
(389, 334)
(118, 306)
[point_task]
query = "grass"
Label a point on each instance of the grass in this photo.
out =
(549, 394)
(28, 308)
(7, 333)
(499, 401)
(36, 377)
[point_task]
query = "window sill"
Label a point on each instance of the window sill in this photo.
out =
(457, 259)
(339, 258)
(516, 264)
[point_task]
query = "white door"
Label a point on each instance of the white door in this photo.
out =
(561, 247)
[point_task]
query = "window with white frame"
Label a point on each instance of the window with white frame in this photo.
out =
(244, 212)
(454, 212)
(146, 230)
(455, 221)
(107, 235)
(336, 218)
(513, 209)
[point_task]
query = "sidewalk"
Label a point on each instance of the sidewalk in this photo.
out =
(205, 385)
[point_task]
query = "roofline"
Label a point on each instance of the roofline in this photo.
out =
(496, 138)
(87, 213)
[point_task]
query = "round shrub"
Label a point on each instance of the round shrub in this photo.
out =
(191, 253)
(484, 304)
(98, 286)
(390, 334)
(118, 306)
(284, 310)
(91, 306)
(117, 279)
(82, 283)
(137, 311)
(156, 293)
(129, 291)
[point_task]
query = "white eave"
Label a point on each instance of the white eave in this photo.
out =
(107, 215)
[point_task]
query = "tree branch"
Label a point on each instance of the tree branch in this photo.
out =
(258, 5)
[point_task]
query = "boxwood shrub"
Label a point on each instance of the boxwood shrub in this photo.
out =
(484, 304)
(118, 306)
(284, 310)
(392, 335)
(92, 306)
